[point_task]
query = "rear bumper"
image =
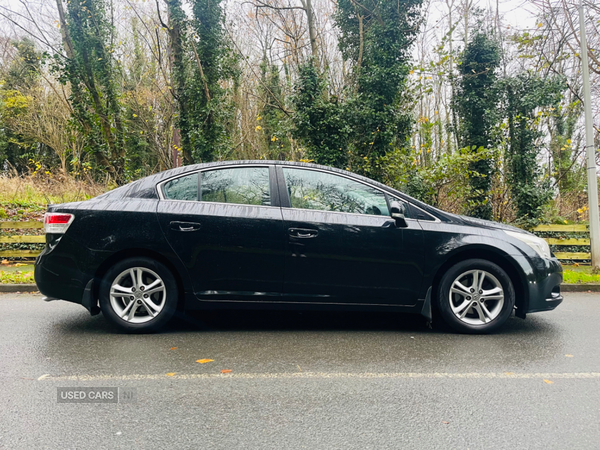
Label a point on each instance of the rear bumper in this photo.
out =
(59, 275)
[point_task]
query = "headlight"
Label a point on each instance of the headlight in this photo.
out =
(538, 244)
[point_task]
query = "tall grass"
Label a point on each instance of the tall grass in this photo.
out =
(40, 190)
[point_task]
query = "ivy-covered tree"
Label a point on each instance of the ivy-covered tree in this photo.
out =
(525, 94)
(92, 72)
(320, 122)
(357, 129)
(375, 37)
(210, 110)
(476, 103)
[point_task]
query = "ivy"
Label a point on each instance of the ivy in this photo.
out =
(92, 72)
(475, 102)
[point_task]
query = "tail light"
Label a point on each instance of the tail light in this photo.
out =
(57, 223)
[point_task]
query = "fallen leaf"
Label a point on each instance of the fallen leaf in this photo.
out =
(5, 262)
(226, 371)
(170, 374)
(204, 361)
(548, 381)
(443, 421)
(569, 356)
(173, 348)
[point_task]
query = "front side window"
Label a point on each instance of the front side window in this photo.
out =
(241, 185)
(323, 191)
(182, 188)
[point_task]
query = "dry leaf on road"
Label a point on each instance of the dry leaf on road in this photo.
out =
(226, 371)
(204, 361)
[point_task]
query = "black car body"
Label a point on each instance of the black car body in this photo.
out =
(273, 235)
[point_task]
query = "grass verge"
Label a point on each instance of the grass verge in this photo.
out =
(579, 275)
(16, 274)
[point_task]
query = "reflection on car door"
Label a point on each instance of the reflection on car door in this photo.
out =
(342, 245)
(227, 229)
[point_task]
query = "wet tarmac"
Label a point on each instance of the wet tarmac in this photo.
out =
(300, 380)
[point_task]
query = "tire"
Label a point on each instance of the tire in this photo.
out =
(467, 309)
(154, 297)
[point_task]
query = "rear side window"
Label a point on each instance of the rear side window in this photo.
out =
(240, 185)
(322, 191)
(182, 188)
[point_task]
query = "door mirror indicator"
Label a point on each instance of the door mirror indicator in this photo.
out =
(397, 211)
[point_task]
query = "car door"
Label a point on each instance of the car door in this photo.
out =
(225, 225)
(342, 244)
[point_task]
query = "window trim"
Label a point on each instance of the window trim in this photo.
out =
(274, 192)
(160, 187)
(288, 201)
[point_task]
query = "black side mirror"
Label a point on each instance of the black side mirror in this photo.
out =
(397, 211)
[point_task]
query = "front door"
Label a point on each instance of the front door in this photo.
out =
(224, 226)
(342, 244)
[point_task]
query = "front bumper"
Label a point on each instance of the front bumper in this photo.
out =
(544, 285)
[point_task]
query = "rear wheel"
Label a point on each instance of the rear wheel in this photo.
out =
(138, 295)
(475, 296)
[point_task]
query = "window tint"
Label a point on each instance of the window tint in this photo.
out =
(182, 188)
(244, 185)
(326, 192)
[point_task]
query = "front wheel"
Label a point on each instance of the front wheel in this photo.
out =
(475, 296)
(138, 295)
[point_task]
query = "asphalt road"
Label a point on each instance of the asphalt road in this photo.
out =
(314, 381)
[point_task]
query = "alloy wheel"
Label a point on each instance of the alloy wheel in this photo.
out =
(476, 297)
(138, 295)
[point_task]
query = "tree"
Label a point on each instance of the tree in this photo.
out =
(525, 93)
(89, 67)
(476, 102)
(320, 122)
(209, 107)
(376, 37)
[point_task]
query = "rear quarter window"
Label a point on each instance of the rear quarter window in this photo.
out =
(182, 188)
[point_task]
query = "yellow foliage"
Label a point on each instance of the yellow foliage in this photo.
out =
(14, 100)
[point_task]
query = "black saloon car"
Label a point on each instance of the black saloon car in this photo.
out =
(272, 234)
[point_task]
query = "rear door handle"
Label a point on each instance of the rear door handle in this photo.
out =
(303, 233)
(185, 226)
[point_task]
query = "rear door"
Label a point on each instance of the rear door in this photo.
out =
(225, 225)
(342, 244)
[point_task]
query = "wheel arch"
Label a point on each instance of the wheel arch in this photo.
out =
(503, 260)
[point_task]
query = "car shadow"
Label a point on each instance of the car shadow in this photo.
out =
(236, 320)
(318, 321)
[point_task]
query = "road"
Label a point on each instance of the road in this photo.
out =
(312, 380)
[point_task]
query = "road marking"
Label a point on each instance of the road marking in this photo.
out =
(325, 375)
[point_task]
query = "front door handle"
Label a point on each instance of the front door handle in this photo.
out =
(185, 226)
(303, 233)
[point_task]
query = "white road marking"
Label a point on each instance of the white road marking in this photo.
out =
(326, 375)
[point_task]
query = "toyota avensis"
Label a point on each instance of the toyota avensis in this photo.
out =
(272, 234)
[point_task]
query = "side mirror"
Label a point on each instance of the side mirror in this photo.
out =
(397, 211)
